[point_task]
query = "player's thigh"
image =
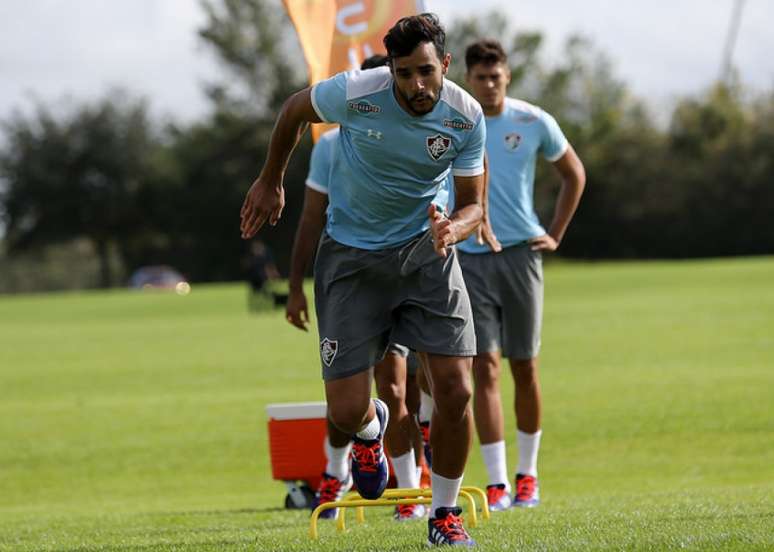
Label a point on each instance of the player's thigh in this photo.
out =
(477, 270)
(353, 309)
(522, 295)
(434, 314)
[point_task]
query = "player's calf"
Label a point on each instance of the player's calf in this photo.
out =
(370, 470)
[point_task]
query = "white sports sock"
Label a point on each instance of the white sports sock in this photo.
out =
(529, 444)
(445, 492)
(496, 465)
(425, 407)
(338, 460)
(370, 430)
(405, 470)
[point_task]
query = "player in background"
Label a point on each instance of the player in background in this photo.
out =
(386, 269)
(506, 288)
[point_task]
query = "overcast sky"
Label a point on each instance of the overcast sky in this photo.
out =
(51, 49)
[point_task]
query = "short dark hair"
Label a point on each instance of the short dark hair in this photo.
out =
(376, 60)
(410, 32)
(487, 51)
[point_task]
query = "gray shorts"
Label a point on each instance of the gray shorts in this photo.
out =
(506, 293)
(412, 362)
(408, 295)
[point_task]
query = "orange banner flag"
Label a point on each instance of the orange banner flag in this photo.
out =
(337, 35)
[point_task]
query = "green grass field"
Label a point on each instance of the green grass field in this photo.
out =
(133, 421)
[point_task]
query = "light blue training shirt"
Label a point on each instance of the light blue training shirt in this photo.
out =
(513, 140)
(321, 163)
(389, 165)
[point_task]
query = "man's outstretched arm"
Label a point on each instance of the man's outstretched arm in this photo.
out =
(266, 197)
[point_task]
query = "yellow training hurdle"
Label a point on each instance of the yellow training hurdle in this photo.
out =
(394, 497)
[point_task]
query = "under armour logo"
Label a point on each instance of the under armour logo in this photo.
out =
(374, 134)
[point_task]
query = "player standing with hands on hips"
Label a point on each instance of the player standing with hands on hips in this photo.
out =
(506, 288)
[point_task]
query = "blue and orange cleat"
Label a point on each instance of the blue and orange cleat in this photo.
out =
(497, 497)
(446, 529)
(527, 491)
(369, 463)
(331, 489)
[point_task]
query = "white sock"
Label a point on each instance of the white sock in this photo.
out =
(445, 492)
(338, 460)
(529, 443)
(496, 465)
(419, 473)
(405, 469)
(371, 430)
(425, 407)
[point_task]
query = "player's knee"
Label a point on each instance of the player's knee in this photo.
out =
(348, 417)
(452, 401)
(486, 371)
(525, 372)
(391, 392)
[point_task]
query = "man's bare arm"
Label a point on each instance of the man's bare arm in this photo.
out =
(573, 177)
(266, 197)
(484, 232)
(307, 235)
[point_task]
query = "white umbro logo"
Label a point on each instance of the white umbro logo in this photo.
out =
(374, 134)
(328, 350)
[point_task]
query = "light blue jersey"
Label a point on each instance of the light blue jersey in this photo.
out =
(321, 164)
(389, 165)
(514, 139)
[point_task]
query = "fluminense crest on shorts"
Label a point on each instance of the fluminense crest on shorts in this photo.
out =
(512, 141)
(328, 350)
(437, 145)
(458, 124)
(363, 106)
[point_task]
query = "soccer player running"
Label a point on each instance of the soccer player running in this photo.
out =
(506, 288)
(391, 373)
(386, 270)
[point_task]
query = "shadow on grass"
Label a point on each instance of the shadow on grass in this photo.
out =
(210, 545)
(234, 511)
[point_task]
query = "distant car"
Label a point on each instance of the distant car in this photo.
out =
(159, 277)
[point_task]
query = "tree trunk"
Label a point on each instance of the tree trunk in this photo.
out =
(105, 273)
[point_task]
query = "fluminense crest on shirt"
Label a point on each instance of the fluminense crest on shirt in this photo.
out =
(458, 124)
(363, 106)
(512, 140)
(437, 145)
(328, 350)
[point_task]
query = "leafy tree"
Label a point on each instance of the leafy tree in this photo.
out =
(77, 175)
(521, 47)
(257, 47)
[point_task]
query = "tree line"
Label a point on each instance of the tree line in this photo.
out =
(694, 184)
